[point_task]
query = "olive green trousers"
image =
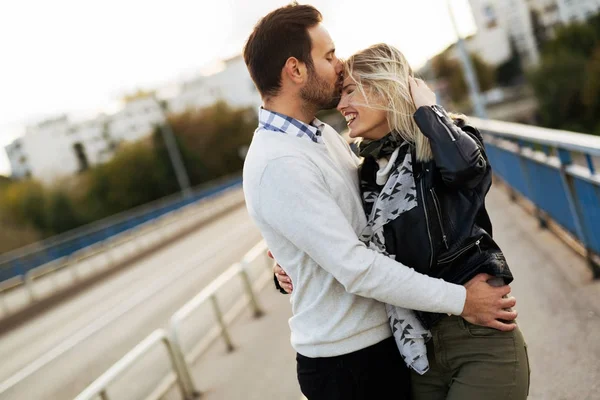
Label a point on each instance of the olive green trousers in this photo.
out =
(472, 362)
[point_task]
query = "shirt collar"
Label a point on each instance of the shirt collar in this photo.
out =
(277, 122)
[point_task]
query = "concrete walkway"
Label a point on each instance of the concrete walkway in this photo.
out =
(263, 363)
(559, 308)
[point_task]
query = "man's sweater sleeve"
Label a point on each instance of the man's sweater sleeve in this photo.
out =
(295, 201)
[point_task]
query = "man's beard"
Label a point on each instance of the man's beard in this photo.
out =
(319, 93)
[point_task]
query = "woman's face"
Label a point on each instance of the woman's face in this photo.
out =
(362, 118)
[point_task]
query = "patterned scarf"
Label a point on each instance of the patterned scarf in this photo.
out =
(385, 197)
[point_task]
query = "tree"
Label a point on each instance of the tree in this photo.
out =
(558, 83)
(60, 213)
(567, 81)
(210, 141)
(25, 203)
(576, 38)
(511, 70)
(539, 30)
(450, 70)
(591, 92)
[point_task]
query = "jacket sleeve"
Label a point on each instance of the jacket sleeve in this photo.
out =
(459, 155)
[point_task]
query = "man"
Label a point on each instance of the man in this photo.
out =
(301, 188)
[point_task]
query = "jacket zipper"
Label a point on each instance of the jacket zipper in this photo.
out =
(427, 223)
(441, 118)
(439, 215)
(454, 256)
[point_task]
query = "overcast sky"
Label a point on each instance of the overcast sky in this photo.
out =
(79, 56)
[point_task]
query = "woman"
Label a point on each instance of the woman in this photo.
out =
(424, 179)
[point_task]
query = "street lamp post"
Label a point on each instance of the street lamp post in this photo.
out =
(174, 154)
(468, 70)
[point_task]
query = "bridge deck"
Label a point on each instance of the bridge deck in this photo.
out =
(558, 306)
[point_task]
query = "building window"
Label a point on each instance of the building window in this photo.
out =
(490, 16)
(23, 159)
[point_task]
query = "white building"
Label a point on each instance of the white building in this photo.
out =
(232, 85)
(513, 19)
(19, 161)
(136, 119)
(553, 13)
(49, 149)
(491, 42)
(576, 10)
(59, 147)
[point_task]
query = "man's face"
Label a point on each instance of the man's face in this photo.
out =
(324, 84)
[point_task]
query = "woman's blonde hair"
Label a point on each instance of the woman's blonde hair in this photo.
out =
(381, 72)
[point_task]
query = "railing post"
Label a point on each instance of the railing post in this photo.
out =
(5, 310)
(522, 162)
(567, 181)
(258, 312)
(222, 324)
(181, 369)
(191, 392)
(29, 286)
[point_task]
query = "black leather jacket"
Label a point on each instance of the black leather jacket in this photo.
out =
(449, 234)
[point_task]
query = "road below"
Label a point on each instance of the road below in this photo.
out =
(59, 353)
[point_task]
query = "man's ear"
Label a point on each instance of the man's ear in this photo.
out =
(294, 70)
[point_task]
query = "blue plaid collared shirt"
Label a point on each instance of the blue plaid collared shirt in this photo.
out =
(273, 121)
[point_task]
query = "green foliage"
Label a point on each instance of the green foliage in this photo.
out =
(567, 81)
(450, 70)
(24, 204)
(558, 83)
(510, 71)
(211, 141)
(60, 212)
(577, 38)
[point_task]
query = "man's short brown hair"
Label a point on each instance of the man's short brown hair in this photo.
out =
(281, 34)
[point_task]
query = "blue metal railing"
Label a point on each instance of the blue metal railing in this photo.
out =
(556, 171)
(18, 262)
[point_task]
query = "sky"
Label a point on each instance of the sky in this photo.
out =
(78, 57)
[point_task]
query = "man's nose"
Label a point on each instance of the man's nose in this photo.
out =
(339, 68)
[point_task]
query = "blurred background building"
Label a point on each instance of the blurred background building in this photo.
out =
(59, 147)
(527, 23)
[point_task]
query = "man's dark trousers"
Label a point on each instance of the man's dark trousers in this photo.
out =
(375, 372)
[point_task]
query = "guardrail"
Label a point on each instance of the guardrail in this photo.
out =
(171, 338)
(103, 256)
(556, 171)
(60, 247)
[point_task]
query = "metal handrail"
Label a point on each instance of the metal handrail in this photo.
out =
(573, 141)
(98, 387)
(7, 259)
(123, 238)
(208, 293)
(172, 340)
(524, 156)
